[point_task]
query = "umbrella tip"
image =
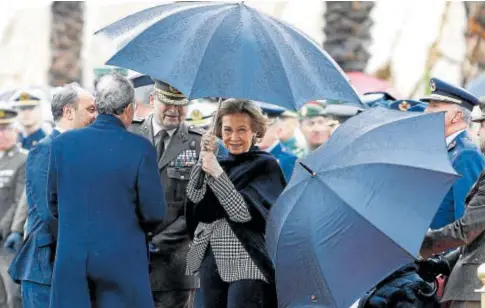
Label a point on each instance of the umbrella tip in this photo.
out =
(312, 173)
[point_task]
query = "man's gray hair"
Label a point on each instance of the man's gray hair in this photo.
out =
(67, 95)
(467, 114)
(114, 93)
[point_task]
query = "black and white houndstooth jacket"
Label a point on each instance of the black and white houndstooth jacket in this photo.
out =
(233, 261)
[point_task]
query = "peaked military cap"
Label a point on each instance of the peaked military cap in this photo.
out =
(481, 117)
(167, 94)
(7, 115)
(408, 105)
(27, 98)
(311, 110)
(444, 92)
(377, 99)
(200, 113)
(270, 110)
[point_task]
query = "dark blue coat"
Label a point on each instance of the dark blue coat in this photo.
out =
(34, 259)
(104, 185)
(285, 159)
(468, 162)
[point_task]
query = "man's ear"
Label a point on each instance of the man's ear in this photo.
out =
(68, 113)
(152, 101)
(458, 117)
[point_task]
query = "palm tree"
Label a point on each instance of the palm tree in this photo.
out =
(347, 32)
(66, 42)
(474, 63)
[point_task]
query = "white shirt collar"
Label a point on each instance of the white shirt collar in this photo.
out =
(452, 137)
(60, 129)
(157, 128)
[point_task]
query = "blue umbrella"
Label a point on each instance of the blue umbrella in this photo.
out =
(357, 208)
(227, 50)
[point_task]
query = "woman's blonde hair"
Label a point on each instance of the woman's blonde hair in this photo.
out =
(259, 122)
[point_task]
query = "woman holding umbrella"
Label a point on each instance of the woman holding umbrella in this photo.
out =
(230, 211)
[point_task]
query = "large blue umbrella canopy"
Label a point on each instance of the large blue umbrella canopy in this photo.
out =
(226, 50)
(358, 207)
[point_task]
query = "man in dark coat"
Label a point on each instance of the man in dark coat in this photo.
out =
(178, 147)
(72, 107)
(104, 185)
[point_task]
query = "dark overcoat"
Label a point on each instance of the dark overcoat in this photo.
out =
(104, 186)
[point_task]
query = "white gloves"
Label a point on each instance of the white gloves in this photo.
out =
(210, 165)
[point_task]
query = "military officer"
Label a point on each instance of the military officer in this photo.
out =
(12, 183)
(464, 155)
(27, 104)
(271, 141)
(290, 136)
(316, 125)
(178, 147)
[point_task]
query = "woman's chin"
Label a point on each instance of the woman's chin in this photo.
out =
(235, 150)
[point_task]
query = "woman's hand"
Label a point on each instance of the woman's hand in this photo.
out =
(208, 142)
(210, 165)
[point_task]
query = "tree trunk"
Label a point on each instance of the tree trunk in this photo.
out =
(347, 33)
(66, 42)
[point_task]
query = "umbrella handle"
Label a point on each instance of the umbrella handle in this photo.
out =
(201, 175)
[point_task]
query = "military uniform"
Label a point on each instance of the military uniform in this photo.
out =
(12, 184)
(456, 225)
(464, 155)
(170, 285)
(28, 100)
(285, 159)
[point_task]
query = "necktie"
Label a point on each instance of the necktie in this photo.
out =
(161, 143)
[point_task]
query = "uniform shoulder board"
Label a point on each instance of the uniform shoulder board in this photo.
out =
(196, 130)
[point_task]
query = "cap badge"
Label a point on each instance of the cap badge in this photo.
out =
(404, 106)
(432, 85)
(24, 96)
(196, 115)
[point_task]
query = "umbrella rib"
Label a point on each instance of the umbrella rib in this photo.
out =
(319, 267)
(206, 46)
(259, 19)
(387, 164)
(376, 228)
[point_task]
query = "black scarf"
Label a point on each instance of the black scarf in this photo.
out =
(256, 175)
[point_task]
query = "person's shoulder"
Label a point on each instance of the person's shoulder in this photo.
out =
(195, 130)
(137, 142)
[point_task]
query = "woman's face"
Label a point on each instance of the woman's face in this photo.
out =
(237, 134)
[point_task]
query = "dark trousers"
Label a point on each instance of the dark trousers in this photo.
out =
(173, 299)
(35, 295)
(238, 294)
